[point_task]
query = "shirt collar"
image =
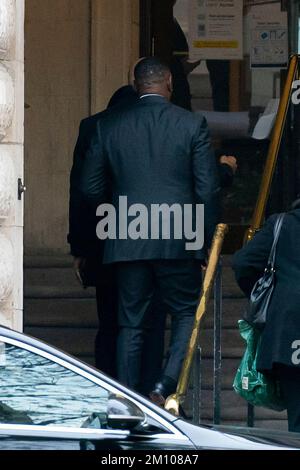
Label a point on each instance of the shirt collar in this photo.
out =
(150, 94)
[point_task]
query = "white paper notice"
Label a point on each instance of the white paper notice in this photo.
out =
(269, 37)
(216, 29)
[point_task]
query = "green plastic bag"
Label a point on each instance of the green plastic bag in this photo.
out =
(255, 387)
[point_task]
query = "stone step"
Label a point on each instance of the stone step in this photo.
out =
(72, 313)
(279, 425)
(207, 373)
(82, 311)
(79, 340)
(239, 413)
(229, 368)
(232, 311)
(75, 341)
(228, 372)
(60, 276)
(230, 401)
(233, 345)
(230, 287)
(58, 292)
(53, 261)
(55, 280)
(233, 407)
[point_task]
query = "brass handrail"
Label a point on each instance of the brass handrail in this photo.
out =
(265, 187)
(174, 401)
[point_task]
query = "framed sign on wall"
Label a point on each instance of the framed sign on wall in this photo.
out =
(216, 29)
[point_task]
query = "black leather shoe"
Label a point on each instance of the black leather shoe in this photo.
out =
(163, 390)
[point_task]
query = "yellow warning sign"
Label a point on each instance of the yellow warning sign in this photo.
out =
(216, 44)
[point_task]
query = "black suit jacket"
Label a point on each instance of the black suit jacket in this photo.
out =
(82, 218)
(152, 152)
(283, 321)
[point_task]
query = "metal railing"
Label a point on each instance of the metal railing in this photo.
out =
(211, 279)
(217, 358)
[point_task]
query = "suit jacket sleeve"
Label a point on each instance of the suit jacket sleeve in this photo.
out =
(250, 262)
(82, 231)
(93, 183)
(206, 179)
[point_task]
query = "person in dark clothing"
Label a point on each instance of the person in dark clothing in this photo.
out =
(87, 251)
(219, 75)
(280, 346)
(180, 68)
(127, 95)
(156, 153)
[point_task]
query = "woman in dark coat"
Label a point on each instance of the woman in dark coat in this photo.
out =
(280, 346)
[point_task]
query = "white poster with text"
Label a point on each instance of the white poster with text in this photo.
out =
(269, 37)
(216, 29)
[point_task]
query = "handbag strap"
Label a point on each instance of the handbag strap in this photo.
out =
(277, 230)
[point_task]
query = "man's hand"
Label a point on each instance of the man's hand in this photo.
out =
(231, 161)
(78, 265)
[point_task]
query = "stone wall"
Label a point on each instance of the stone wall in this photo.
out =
(77, 54)
(11, 161)
(57, 45)
(115, 46)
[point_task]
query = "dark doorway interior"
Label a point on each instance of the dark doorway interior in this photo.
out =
(156, 20)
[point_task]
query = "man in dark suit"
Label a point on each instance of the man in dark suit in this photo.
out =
(87, 251)
(279, 351)
(153, 153)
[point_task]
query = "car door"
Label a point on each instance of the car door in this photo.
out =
(48, 403)
(29, 437)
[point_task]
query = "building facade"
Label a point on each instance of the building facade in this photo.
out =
(77, 53)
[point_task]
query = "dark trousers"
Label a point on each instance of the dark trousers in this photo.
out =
(106, 339)
(289, 379)
(107, 308)
(179, 283)
(219, 74)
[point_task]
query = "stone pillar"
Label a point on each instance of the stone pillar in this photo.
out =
(115, 46)
(11, 161)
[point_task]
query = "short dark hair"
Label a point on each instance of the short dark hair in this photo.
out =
(150, 71)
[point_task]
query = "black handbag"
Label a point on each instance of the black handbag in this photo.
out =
(262, 291)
